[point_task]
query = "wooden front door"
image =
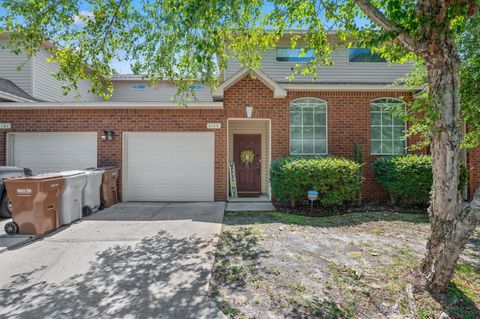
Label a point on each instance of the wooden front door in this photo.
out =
(247, 169)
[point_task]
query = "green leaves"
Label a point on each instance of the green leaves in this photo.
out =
(407, 178)
(191, 40)
(336, 179)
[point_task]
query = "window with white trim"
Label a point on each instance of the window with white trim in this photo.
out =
(137, 87)
(387, 128)
(308, 127)
(300, 55)
(364, 55)
(196, 87)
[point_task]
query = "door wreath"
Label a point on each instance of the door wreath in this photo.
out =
(247, 157)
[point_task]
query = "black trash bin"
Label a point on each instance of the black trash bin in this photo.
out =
(9, 172)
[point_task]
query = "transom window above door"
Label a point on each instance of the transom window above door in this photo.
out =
(387, 128)
(308, 127)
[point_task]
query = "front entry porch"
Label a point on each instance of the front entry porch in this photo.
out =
(249, 149)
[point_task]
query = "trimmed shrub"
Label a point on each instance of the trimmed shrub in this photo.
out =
(407, 178)
(336, 179)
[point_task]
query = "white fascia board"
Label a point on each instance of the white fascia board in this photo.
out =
(347, 87)
(111, 105)
(278, 91)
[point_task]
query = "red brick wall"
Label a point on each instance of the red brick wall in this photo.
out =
(122, 120)
(473, 160)
(348, 122)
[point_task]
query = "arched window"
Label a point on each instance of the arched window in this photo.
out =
(387, 128)
(308, 127)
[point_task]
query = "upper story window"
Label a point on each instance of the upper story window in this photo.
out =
(196, 87)
(387, 128)
(138, 87)
(308, 127)
(293, 55)
(363, 55)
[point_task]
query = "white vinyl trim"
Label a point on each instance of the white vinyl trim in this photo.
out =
(269, 123)
(278, 91)
(348, 87)
(110, 105)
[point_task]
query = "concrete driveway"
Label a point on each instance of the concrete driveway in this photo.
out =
(134, 260)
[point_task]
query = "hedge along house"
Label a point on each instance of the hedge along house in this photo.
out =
(167, 153)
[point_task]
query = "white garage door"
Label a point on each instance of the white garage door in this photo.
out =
(52, 152)
(169, 166)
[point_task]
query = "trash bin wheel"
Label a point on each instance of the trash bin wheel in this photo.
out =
(102, 205)
(86, 211)
(11, 228)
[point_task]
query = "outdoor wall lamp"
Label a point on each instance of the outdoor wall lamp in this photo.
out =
(249, 110)
(107, 135)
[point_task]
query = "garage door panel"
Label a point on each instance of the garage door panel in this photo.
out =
(169, 166)
(53, 152)
(172, 177)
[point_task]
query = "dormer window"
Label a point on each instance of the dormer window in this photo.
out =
(301, 55)
(364, 55)
(196, 87)
(137, 87)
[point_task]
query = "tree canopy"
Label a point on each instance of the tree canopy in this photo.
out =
(186, 40)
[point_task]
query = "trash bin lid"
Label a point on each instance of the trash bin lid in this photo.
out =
(11, 171)
(102, 168)
(72, 173)
(91, 172)
(39, 177)
(42, 176)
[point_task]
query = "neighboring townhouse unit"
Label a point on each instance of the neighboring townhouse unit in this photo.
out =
(34, 77)
(172, 153)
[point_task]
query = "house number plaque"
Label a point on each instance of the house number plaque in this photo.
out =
(214, 125)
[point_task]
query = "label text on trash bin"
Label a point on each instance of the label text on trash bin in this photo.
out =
(24, 191)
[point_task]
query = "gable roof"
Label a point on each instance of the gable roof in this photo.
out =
(278, 91)
(11, 92)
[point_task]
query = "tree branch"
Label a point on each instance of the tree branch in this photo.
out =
(377, 16)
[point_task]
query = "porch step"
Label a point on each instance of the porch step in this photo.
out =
(249, 206)
(261, 199)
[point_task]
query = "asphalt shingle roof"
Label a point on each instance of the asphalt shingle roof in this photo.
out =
(9, 87)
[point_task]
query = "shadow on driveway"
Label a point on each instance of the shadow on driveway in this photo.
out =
(153, 279)
(129, 261)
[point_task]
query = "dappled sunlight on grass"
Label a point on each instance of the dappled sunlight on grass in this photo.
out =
(358, 265)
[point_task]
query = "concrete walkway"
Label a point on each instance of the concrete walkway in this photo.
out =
(133, 260)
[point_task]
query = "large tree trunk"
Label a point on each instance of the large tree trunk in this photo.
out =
(451, 224)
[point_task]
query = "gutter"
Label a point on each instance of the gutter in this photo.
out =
(347, 87)
(110, 105)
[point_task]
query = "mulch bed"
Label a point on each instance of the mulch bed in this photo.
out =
(319, 211)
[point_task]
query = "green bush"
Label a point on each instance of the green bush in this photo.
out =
(336, 180)
(407, 178)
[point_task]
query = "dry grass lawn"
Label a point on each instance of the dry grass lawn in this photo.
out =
(277, 265)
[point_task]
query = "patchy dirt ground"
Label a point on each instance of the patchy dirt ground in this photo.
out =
(277, 265)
